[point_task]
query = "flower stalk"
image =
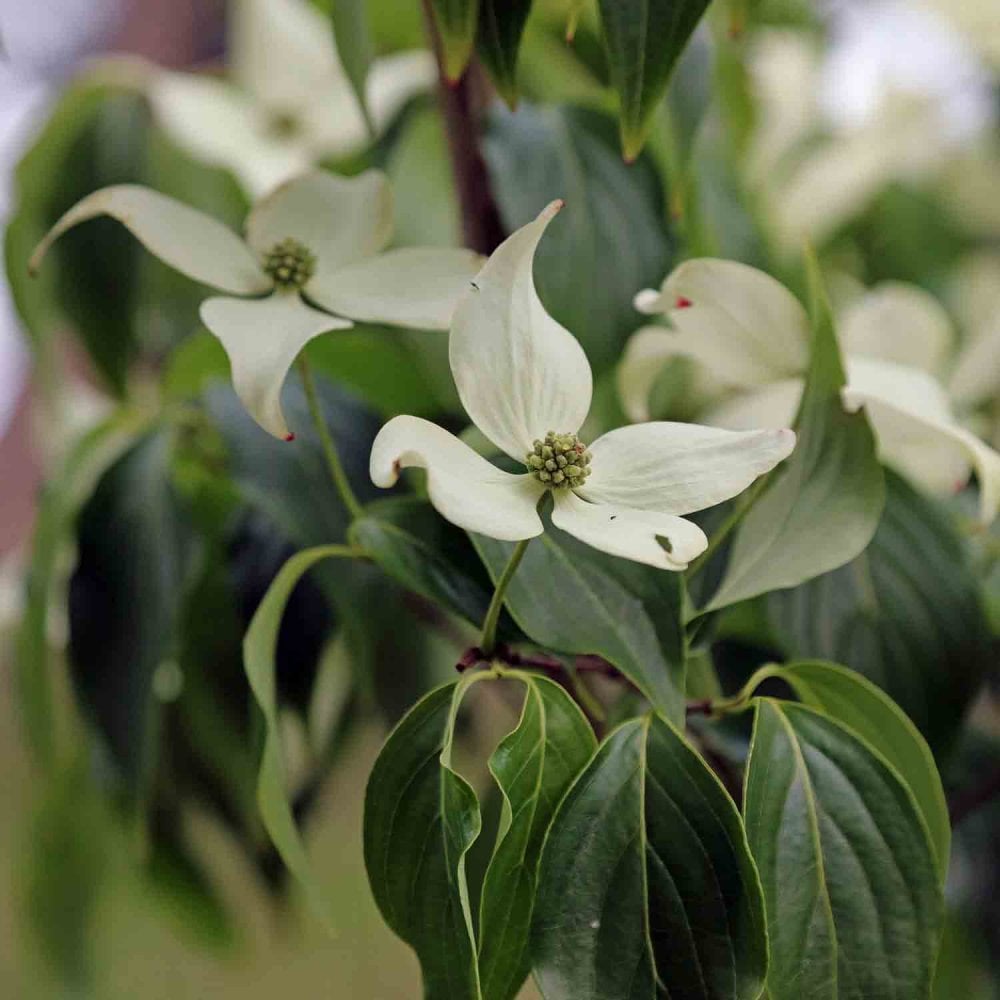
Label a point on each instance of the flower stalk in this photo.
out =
(488, 642)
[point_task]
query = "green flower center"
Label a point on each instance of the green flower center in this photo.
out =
(289, 263)
(559, 462)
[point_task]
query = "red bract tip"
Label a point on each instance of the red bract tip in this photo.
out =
(682, 303)
(289, 436)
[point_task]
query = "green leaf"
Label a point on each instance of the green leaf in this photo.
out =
(125, 599)
(853, 897)
(259, 649)
(586, 272)
(354, 46)
(571, 598)
(907, 614)
(456, 22)
(501, 24)
(644, 39)
(646, 886)
(421, 817)
(859, 705)
(427, 556)
(533, 766)
(825, 505)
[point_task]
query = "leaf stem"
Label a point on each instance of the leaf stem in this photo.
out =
(489, 638)
(337, 473)
(739, 511)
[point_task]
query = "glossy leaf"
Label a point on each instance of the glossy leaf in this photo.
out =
(456, 22)
(646, 887)
(853, 898)
(825, 504)
(125, 599)
(533, 766)
(859, 705)
(585, 271)
(627, 613)
(907, 614)
(501, 23)
(644, 39)
(259, 650)
(421, 817)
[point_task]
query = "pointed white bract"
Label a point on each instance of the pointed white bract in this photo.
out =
(520, 376)
(896, 339)
(333, 230)
(288, 103)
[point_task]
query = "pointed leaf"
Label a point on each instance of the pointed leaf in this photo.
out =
(873, 615)
(826, 503)
(421, 817)
(533, 766)
(501, 23)
(646, 887)
(644, 39)
(853, 899)
(625, 612)
(873, 716)
(456, 24)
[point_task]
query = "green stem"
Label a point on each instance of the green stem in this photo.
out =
(743, 505)
(489, 638)
(333, 462)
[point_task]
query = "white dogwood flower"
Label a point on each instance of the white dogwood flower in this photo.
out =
(312, 248)
(287, 103)
(751, 334)
(526, 383)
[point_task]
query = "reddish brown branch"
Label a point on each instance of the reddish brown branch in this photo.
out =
(968, 800)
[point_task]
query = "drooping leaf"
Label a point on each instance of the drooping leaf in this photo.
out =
(427, 556)
(906, 613)
(846, 696)
(354, 46)
(646, 886)
(125, 598)
(644, 39)
(609, 240)
(259, 649)
(533, 766)
(421, 817)
(853, 897)
(456, 22)
(571, 598)
(825, 504)
(498, 38)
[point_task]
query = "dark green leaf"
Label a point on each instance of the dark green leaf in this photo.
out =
(608, 241)
(856, 703)
(421, 817)
(853, 898)
(646, 887)
(825, 505)
(644, 39)
(571, 598)
(906, 613)
(135, 545)
(456, 24)
(533, 766)
(501, 23)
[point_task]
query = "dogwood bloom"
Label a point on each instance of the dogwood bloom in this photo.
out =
(752, 335)
(526, 383)
(314, 247)
(288, 102)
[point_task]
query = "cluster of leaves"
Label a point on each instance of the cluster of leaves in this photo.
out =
(224, 636)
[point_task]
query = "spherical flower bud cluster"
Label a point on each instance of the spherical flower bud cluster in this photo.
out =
(561, 461)
(289, 263)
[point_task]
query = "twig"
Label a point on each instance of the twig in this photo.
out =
(961, 804)
(482, 230)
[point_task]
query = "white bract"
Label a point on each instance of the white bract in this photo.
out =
(288, 102)
(752, 335)
(314, 244)
(526, 383)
